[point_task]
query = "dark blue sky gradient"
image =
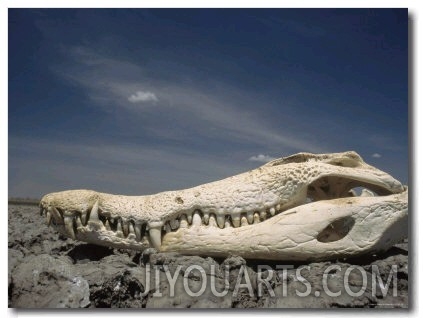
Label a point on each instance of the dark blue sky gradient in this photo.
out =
(228, 85)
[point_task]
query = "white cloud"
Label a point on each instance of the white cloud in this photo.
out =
(261, 158)
(143, 97)
(376, 155)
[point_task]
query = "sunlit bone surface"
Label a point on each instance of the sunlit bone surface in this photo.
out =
(302, 207)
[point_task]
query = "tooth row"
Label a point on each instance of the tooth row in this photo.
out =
(198, 218)
(73, 221)
(131, 229)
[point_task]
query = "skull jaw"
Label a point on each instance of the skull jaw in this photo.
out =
(323, 230)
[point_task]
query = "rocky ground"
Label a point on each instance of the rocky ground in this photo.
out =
(47, 270)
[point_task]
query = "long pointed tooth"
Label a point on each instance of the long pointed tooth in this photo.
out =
(69, 226)
(212, 221)
(278, 207)
(189, 218)
(272, 211)
(236, 220)
(196, 219)
(138, 231)
(107, 225)
(256, 218)
(131, 231)
(250, 217)
(125, 227)
(244, 221)
(183, 222)
(55, 213)
(94, 212)
(119, 230)
(206, 218)
(220, 221)
(84, 218)
(155, 235)
(48, 218)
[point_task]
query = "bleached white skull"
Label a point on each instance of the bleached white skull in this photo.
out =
(301, 207)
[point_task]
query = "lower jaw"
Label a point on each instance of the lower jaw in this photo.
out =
(102, 237)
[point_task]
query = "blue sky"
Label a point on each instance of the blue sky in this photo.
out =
(139, 101)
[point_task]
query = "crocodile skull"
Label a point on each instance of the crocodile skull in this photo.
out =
(301, 207)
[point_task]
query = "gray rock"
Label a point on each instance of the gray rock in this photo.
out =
(47, 282)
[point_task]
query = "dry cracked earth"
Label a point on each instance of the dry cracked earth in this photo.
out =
(47, 270)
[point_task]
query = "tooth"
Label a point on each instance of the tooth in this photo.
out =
(212, 220)
(263, 215)
(227, 223)
(125, 227)
(94, 212)
(112, 224)
(93, 220)
(244, 221)
(183, 222)
(206, 218)
(236, 221)
(48, 218)
(196, 219)
(119, 230)
(131, 230)
(220, 221)
(138, 231)
(84, 218)
(107, 225)
(54, 212)
(155, 235)
(278, 207)
(250, 217)
(256, 218)
(69, 226)
(41, 210)
(272, 211)
(189, 218)
(78, 222)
